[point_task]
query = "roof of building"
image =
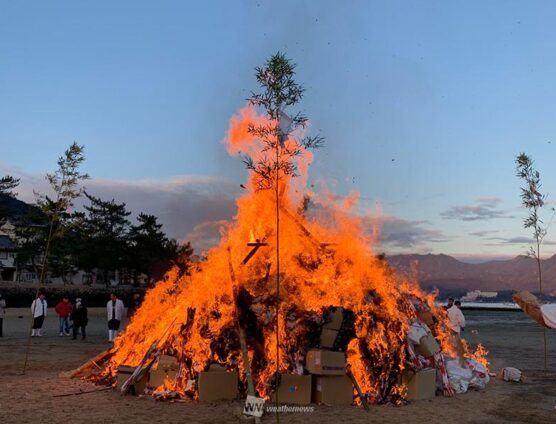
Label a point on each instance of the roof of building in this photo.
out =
(6, 243)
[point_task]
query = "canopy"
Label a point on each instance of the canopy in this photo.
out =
(545, 315)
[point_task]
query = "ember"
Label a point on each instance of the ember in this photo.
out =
(335, 294)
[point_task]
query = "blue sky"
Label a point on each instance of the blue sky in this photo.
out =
(424, 105)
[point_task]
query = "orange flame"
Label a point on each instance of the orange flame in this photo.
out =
(327, 260)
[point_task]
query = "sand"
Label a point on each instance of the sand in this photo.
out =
(513, 340)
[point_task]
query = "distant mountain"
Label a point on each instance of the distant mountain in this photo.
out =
(443, 271)
(12, 207)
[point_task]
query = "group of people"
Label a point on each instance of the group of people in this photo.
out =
(73, 317)
(66, 311)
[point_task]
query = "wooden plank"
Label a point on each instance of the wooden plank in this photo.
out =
(94, 362)
(147, 362)
(358, 389)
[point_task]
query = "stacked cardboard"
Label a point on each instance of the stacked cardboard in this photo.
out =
(420, 384)
(331, 329)
(328, 382)
(325, 362)
(331, 385)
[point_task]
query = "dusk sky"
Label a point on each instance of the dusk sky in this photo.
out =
(424, 106)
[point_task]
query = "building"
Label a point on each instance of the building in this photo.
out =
(8, 267)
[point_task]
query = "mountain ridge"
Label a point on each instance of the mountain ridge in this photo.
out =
(444, 271)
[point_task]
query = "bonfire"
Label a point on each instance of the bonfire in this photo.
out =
(327, 260)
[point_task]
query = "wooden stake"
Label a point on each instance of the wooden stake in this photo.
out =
(358, 389)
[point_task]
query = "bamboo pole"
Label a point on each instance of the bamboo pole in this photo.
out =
(242, 340)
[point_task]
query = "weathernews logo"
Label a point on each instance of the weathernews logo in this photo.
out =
(256, 407)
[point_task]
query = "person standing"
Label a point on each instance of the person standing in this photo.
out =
(2, 313)
(79, 318)
(38, 309)
(457, 324)
(115, 312)
(457, 319)
(64, 309)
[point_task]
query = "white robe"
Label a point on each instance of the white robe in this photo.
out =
(119, 310)
(457, 320)
(38, 310)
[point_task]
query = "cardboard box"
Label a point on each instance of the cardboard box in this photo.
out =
(332, 390)
(325, 362)
(420, 385)
(427, 346)
(159, 375)
(123, 373)
(334, 320)
(426, 317)
(167, 362)
(167, 367)
(218, 385)
(294, 389)
(328, 338)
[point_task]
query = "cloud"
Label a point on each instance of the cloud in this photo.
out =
(182, 203)
(483, 233)
(516, 240)
(479, 258)
(194, 208)
(206, 235)
(485, 208)
(489, 200)
(397, 233)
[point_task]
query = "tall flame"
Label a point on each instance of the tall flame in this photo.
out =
(327, 259)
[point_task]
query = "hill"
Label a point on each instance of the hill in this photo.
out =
(519, 273)
(13, 208)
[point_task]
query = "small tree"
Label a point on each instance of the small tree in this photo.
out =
(533, 200)
(65, 182)
(279, 91)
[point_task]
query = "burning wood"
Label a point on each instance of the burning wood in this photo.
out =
(225, 311)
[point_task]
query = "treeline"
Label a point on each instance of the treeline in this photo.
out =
(54, 240)
(102, 238)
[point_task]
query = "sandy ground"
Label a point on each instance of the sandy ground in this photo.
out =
(32, 398)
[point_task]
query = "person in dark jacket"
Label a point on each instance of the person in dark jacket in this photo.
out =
(2, 312)
(79, 318)
(135, 304)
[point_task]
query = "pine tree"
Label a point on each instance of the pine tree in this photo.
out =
(7, 184)
(106, 227)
